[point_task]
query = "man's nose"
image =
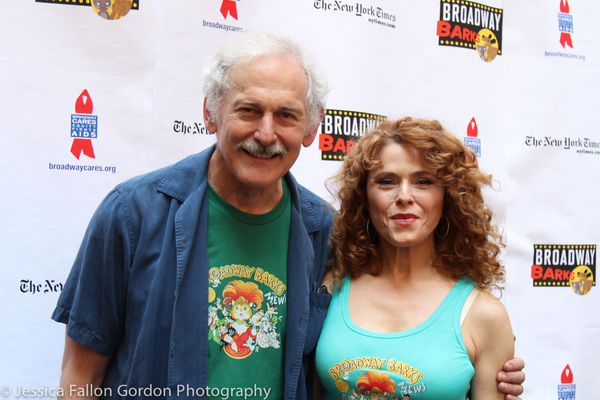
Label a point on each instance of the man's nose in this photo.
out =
(265, 132)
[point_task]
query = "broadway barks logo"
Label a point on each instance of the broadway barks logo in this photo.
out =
(107, 9)
(341, 129)
(472, 26)
(565, 24)
(84, 126)
(564, 265)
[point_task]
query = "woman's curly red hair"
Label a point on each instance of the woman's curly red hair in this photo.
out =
(472, 245)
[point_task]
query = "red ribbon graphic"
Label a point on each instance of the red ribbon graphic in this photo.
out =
(230, 7)
(83, 105)
(565, 38)
(472, 128)
(567, 375)
(84, 145)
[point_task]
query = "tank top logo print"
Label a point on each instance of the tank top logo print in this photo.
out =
(242, 318)
(377, 379)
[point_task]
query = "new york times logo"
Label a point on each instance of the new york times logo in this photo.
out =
(374, 14)
(48, 286)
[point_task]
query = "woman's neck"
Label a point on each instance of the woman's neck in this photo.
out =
(414, 262)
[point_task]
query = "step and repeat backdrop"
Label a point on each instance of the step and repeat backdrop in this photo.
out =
(96, 92)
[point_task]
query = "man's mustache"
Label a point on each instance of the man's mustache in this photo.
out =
(257, 149)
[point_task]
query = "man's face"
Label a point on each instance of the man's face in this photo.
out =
(262, 123)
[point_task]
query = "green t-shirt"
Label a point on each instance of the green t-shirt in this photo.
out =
(247, 293)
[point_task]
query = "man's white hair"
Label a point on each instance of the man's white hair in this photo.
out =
(247, 48)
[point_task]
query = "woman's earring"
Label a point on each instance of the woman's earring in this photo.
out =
(447, 229)
(368, 230)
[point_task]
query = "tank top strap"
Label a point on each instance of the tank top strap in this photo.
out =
(464, 286)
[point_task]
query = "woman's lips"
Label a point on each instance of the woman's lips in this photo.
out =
(404, 219)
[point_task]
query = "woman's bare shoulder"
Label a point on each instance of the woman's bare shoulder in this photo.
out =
(488, 309)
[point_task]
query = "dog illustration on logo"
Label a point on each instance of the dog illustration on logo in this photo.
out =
(583, 280)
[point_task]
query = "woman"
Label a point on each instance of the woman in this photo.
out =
(414, 245)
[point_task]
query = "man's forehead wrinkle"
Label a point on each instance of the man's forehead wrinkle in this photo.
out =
(246, 102)
(298, 109)
(249, 98)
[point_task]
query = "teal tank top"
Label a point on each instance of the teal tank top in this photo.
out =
(427, 362)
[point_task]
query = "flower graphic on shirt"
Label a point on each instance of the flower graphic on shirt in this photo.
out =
(377, 385)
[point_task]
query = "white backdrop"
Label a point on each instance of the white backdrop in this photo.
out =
(528, 109)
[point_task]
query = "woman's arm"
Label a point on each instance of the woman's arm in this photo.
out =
(490, 342)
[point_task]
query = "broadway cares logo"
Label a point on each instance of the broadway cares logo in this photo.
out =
(565, 24)
(84, 126)
(472, 141)
(472, 26)
(228, 8)
(564, 265)
(565, 27)
(566, 390)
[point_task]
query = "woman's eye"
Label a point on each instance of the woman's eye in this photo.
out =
(425, 182)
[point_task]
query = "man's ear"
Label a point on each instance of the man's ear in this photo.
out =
(209, 122)
(310, 137)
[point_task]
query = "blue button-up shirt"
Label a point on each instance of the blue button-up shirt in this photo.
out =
(138, 290)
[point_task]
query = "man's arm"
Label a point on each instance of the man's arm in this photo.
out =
(511, 379)
(80, 367)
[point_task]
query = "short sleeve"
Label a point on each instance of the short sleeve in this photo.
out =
(92, 302)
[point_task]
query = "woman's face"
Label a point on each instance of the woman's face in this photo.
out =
(405, 202)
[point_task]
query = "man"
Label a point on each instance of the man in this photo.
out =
(230, 225)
